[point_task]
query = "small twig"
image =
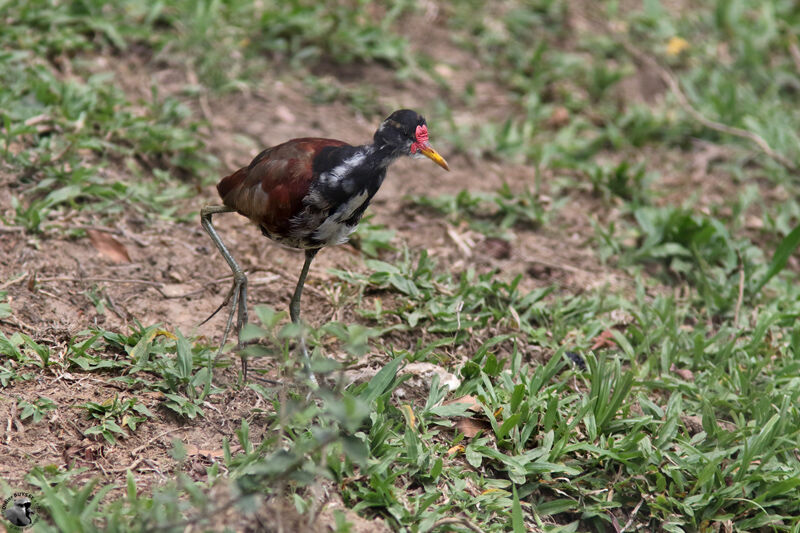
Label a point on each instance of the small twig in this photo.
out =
(182, 242)
(250, 280)
(130, 467)
(84, 227)
(614, 522)
(14, 281)
(153, 439)
(11, 417)
(558, 266)
(12, 229)
(463, 242)
(633, 515)
(309, 288)
(179, 296)
(202, 99)
(61, 154)
(138, 449)
(741, 291)
(155, 468)
(113, 231)
(17, 323)
(101, 280)
(115, 310)
(103, 229)
(675, 86)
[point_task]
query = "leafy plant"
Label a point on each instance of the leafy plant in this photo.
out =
(493, 214)
(624, 181)
(36, 410)
(22, 348)
(373, 238)
(785, 249)
(114, 415)
(182, 370)
(306, 32)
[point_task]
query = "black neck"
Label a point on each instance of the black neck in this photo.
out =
(382, 155)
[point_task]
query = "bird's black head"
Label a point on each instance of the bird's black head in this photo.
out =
(406, 132)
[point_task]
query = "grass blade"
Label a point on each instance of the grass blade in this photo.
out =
(785, 249)
(516, 513)
(381, 381)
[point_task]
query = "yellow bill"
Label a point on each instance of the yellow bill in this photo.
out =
(434, 156)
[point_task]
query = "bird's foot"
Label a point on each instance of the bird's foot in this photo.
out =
(225, 302)
(237, 298)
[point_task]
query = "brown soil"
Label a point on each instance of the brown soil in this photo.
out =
(175, 276)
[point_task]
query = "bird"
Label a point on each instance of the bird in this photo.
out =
(309, 193)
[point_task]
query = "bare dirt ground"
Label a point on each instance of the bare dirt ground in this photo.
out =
(175, 276)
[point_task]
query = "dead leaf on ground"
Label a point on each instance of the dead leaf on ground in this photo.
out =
(558, 118)
(693, 423)
(604, 340)
(108, 246)
(191, 449)
(427, 370)
(684, 373)
(458, 448)
(408, 413)
(472, 403)
(497, 248)
(470, 427)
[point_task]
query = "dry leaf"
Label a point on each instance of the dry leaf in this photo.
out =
(408, 413)
(694, 424)
(166, 334)
(156, 396)
(684, 373)
(191, 449)
(676, 45)
(426, 371)
(108, 246)
(559, 117)
(497, 248)
(470, 427)
(472, 403)
(604, 340)
(458, 448)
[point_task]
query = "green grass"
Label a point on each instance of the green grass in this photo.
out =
(685, 419)
(495, 214)
(62, 133)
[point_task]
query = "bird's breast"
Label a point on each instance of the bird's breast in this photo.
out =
(341, 222)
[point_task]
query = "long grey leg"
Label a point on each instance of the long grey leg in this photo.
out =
(294, 311)
(238, 293)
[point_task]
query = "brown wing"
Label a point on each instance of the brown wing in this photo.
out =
(271, 189)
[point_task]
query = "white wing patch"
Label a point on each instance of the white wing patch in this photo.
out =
(337, 173)
(333, 229)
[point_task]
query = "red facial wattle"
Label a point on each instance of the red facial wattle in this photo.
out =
(424, 147)
(422, 139)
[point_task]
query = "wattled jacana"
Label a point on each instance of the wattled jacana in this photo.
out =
(310, 193)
